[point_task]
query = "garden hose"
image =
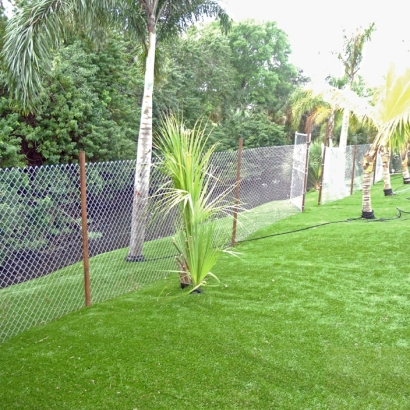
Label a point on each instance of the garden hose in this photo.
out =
(400, 213)
(398, 216)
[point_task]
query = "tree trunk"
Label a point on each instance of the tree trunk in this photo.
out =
(344, 131)
(366, 197)
(341, 158)
(368, 167)
(144, 154)
(385, 154)
(405, 166)
(331, 128)
(346, 116)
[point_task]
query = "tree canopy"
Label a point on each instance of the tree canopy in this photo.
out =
(90, 98)
(89, 103)
(243, 92)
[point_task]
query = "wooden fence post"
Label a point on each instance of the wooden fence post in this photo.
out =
(84, 226)
(237, 191)
(308, 140)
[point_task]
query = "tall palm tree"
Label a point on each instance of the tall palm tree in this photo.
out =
(307, 101)
(316, 100)
(389, 113)
(351, 59)
(40, 26)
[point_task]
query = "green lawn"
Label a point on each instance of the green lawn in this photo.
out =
(41, 300)
(315, 319)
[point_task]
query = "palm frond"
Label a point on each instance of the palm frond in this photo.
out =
(38, 28)
(347, 99)
(393, 104)
(320, 114)
(305, 101)
(174, 17)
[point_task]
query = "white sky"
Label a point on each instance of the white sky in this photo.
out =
(315, 30)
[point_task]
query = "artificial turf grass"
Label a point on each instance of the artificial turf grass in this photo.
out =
(40, 300)
(313, 319)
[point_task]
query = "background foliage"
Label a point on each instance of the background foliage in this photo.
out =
(89, 103)
(238, 83)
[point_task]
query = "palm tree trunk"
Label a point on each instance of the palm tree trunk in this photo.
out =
(346, 116)
(331, 127)
(368, 167)
(385, 153)
(405, 166)
(144, 154)
(366, 197)
(342, 150)
(344, 131)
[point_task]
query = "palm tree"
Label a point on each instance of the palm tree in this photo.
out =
(39, 27)
(351, 59)
(307, 101)
(389, 113)
(311, 98)
(314, 100)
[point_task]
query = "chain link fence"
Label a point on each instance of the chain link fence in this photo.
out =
(300, 162)
(41, 267)
(335, 184)
(266, 187)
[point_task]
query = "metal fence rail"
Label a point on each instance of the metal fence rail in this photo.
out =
(41, 270)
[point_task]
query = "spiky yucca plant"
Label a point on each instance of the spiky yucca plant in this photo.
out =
(185, 159)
